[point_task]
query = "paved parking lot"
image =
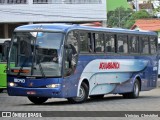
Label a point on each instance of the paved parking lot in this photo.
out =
(148, 101)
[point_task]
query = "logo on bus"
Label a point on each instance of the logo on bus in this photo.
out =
(109, 65)
(19, 80)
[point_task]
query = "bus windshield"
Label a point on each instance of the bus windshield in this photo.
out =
(37, 54)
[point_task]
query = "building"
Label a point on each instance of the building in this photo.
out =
(19, 12)
(147, 5)
(148, 24)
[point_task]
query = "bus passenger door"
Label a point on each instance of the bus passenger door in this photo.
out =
(70, 62)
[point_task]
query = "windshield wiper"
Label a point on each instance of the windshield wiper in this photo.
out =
(39, 62)
(40, 67)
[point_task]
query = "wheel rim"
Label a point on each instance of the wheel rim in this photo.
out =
(136, 89)
(81, 94)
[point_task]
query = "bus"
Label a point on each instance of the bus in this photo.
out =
(77, 62)
(4, 47)
(159, 57)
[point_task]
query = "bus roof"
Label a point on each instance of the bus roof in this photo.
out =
(66, 28)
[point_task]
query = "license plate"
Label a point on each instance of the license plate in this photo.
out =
(31, 92)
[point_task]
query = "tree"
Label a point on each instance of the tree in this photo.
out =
(156, 12)
(118, 17)
(157, 9)
(135, 16)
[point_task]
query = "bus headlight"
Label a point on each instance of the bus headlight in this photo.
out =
(53, 86)
(11, 84)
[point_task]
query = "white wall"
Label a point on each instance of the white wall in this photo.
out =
(52, 12)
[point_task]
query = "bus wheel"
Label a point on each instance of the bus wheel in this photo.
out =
(96, 96)
(136, 89)
(83, 94)
(135, 92)
(126, 95)
(37, 100)
(1, 90)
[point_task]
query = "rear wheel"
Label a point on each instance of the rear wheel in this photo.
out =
(135, 92)
(83, 94)
(126, 95)
(37, 100)
(1, 90)
(136, 89)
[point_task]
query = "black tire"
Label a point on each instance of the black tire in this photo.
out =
(135, 92)
(37, 100)
(96, 96)
(1, 90)
(125, 95)
(84, 91)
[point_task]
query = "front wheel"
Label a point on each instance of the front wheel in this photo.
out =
(1, 90)
(83, 94)
(37, 100)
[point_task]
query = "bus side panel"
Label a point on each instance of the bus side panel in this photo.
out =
(3, 79)
(147, 77)
(105, 80)
(124, 87)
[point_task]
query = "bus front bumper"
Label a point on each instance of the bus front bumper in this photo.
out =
(38, 92)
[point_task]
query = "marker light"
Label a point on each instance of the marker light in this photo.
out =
(11, 84)
(53, 86)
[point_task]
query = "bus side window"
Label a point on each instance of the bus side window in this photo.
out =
(153, 45)
(110, 43)
(71, 56)
(145, 45)
(134, 44)
(89, 39)
(99, 42)
(122, 44)
(85, 42)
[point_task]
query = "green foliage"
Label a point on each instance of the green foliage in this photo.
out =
(156, 10)
(135, 16)
(125, 18)
(118, 17)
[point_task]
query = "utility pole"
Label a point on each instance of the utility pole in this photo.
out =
(137, 5)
